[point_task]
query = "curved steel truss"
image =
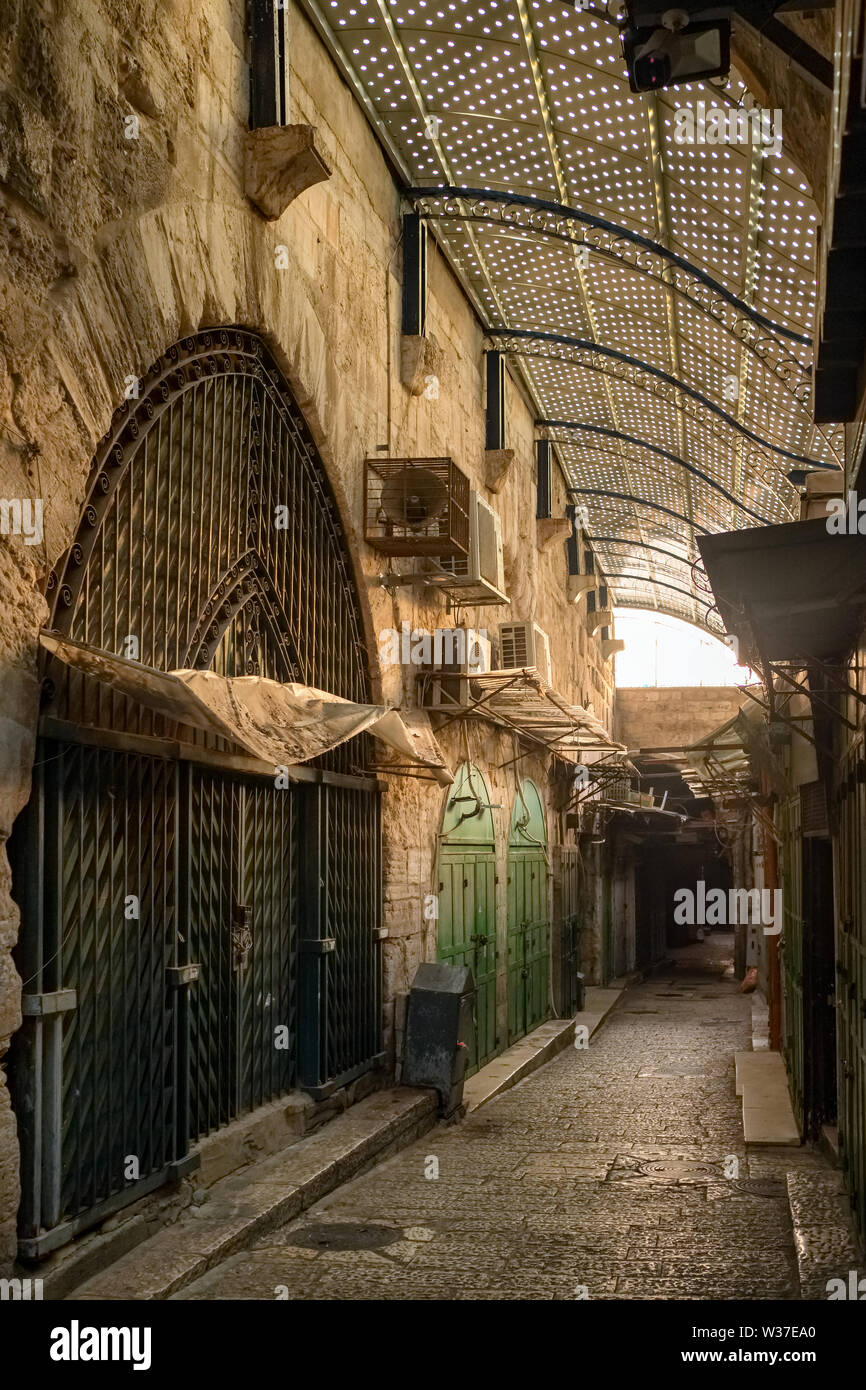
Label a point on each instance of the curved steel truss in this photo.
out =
(544, 218)
(538, 217)
(639, 502)
(661, 453)
(559, 347)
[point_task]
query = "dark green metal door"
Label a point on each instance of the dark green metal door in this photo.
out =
(567, 895)
(467, 900)
(528, 915)
(93, 1069)
(850, 873)
(791, 949)
(243, 893)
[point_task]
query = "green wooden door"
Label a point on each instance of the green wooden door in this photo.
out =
(528, 916)
(467, 901)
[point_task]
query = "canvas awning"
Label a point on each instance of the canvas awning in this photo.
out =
(281, 723)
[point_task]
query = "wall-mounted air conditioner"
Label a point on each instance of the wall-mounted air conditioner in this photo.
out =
(525, 644)
(479, 577)
(459, 654)
(416, 507)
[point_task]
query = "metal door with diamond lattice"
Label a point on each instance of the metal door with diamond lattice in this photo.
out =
(198, 934)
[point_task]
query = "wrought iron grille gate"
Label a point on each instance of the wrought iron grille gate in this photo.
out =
(195, 940)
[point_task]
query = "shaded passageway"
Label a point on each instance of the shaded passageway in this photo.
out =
(604, 1169)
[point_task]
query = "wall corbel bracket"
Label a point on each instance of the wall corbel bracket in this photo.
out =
(497, 465)
(550, 529)
(281, 162)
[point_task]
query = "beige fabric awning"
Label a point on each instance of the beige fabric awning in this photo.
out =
(281, 723)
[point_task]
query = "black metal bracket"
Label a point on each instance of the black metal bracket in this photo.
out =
(180, 975)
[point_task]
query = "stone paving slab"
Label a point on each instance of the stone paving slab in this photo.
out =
(540, 1046)
(242, 1207)
(518, 1202)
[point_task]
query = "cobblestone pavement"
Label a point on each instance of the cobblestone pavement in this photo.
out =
(564, 1181)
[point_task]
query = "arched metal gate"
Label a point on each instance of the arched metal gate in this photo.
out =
(196, 940)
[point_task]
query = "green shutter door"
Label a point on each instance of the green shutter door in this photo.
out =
(467, 901)
(528, 918)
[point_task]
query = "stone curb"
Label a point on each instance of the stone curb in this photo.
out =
(538, 1048)
(246, 1205)
(824, 1237)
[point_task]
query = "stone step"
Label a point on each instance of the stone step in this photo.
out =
(240, 1208)
(761, 1081)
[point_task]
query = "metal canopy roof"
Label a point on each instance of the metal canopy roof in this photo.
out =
(671, 360)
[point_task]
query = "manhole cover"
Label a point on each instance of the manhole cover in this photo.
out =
(759, 1187)
(344, 1235)
(677, 1168)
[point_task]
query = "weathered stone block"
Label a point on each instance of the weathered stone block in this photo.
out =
(281, 162)
(497, 466)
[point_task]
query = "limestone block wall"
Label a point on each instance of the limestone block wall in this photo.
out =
(112, 248)
(673, 716)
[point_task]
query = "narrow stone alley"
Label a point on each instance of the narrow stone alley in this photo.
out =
(602, 1175)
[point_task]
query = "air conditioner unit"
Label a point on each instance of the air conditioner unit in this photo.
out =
(458, 655)
(416, 507)
(479, 577)
(525, 644)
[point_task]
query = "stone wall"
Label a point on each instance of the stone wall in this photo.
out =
(113, 248)
(673, 717)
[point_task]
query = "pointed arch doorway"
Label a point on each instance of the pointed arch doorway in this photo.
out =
(467, 899)
(199, 936)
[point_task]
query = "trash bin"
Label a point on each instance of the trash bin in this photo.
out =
(439, 1026)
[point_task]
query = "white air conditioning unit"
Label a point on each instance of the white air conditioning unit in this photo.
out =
(479, 577)
(459, 654)
(525, 644)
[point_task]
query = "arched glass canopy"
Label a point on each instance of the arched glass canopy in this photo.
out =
(657, 297)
